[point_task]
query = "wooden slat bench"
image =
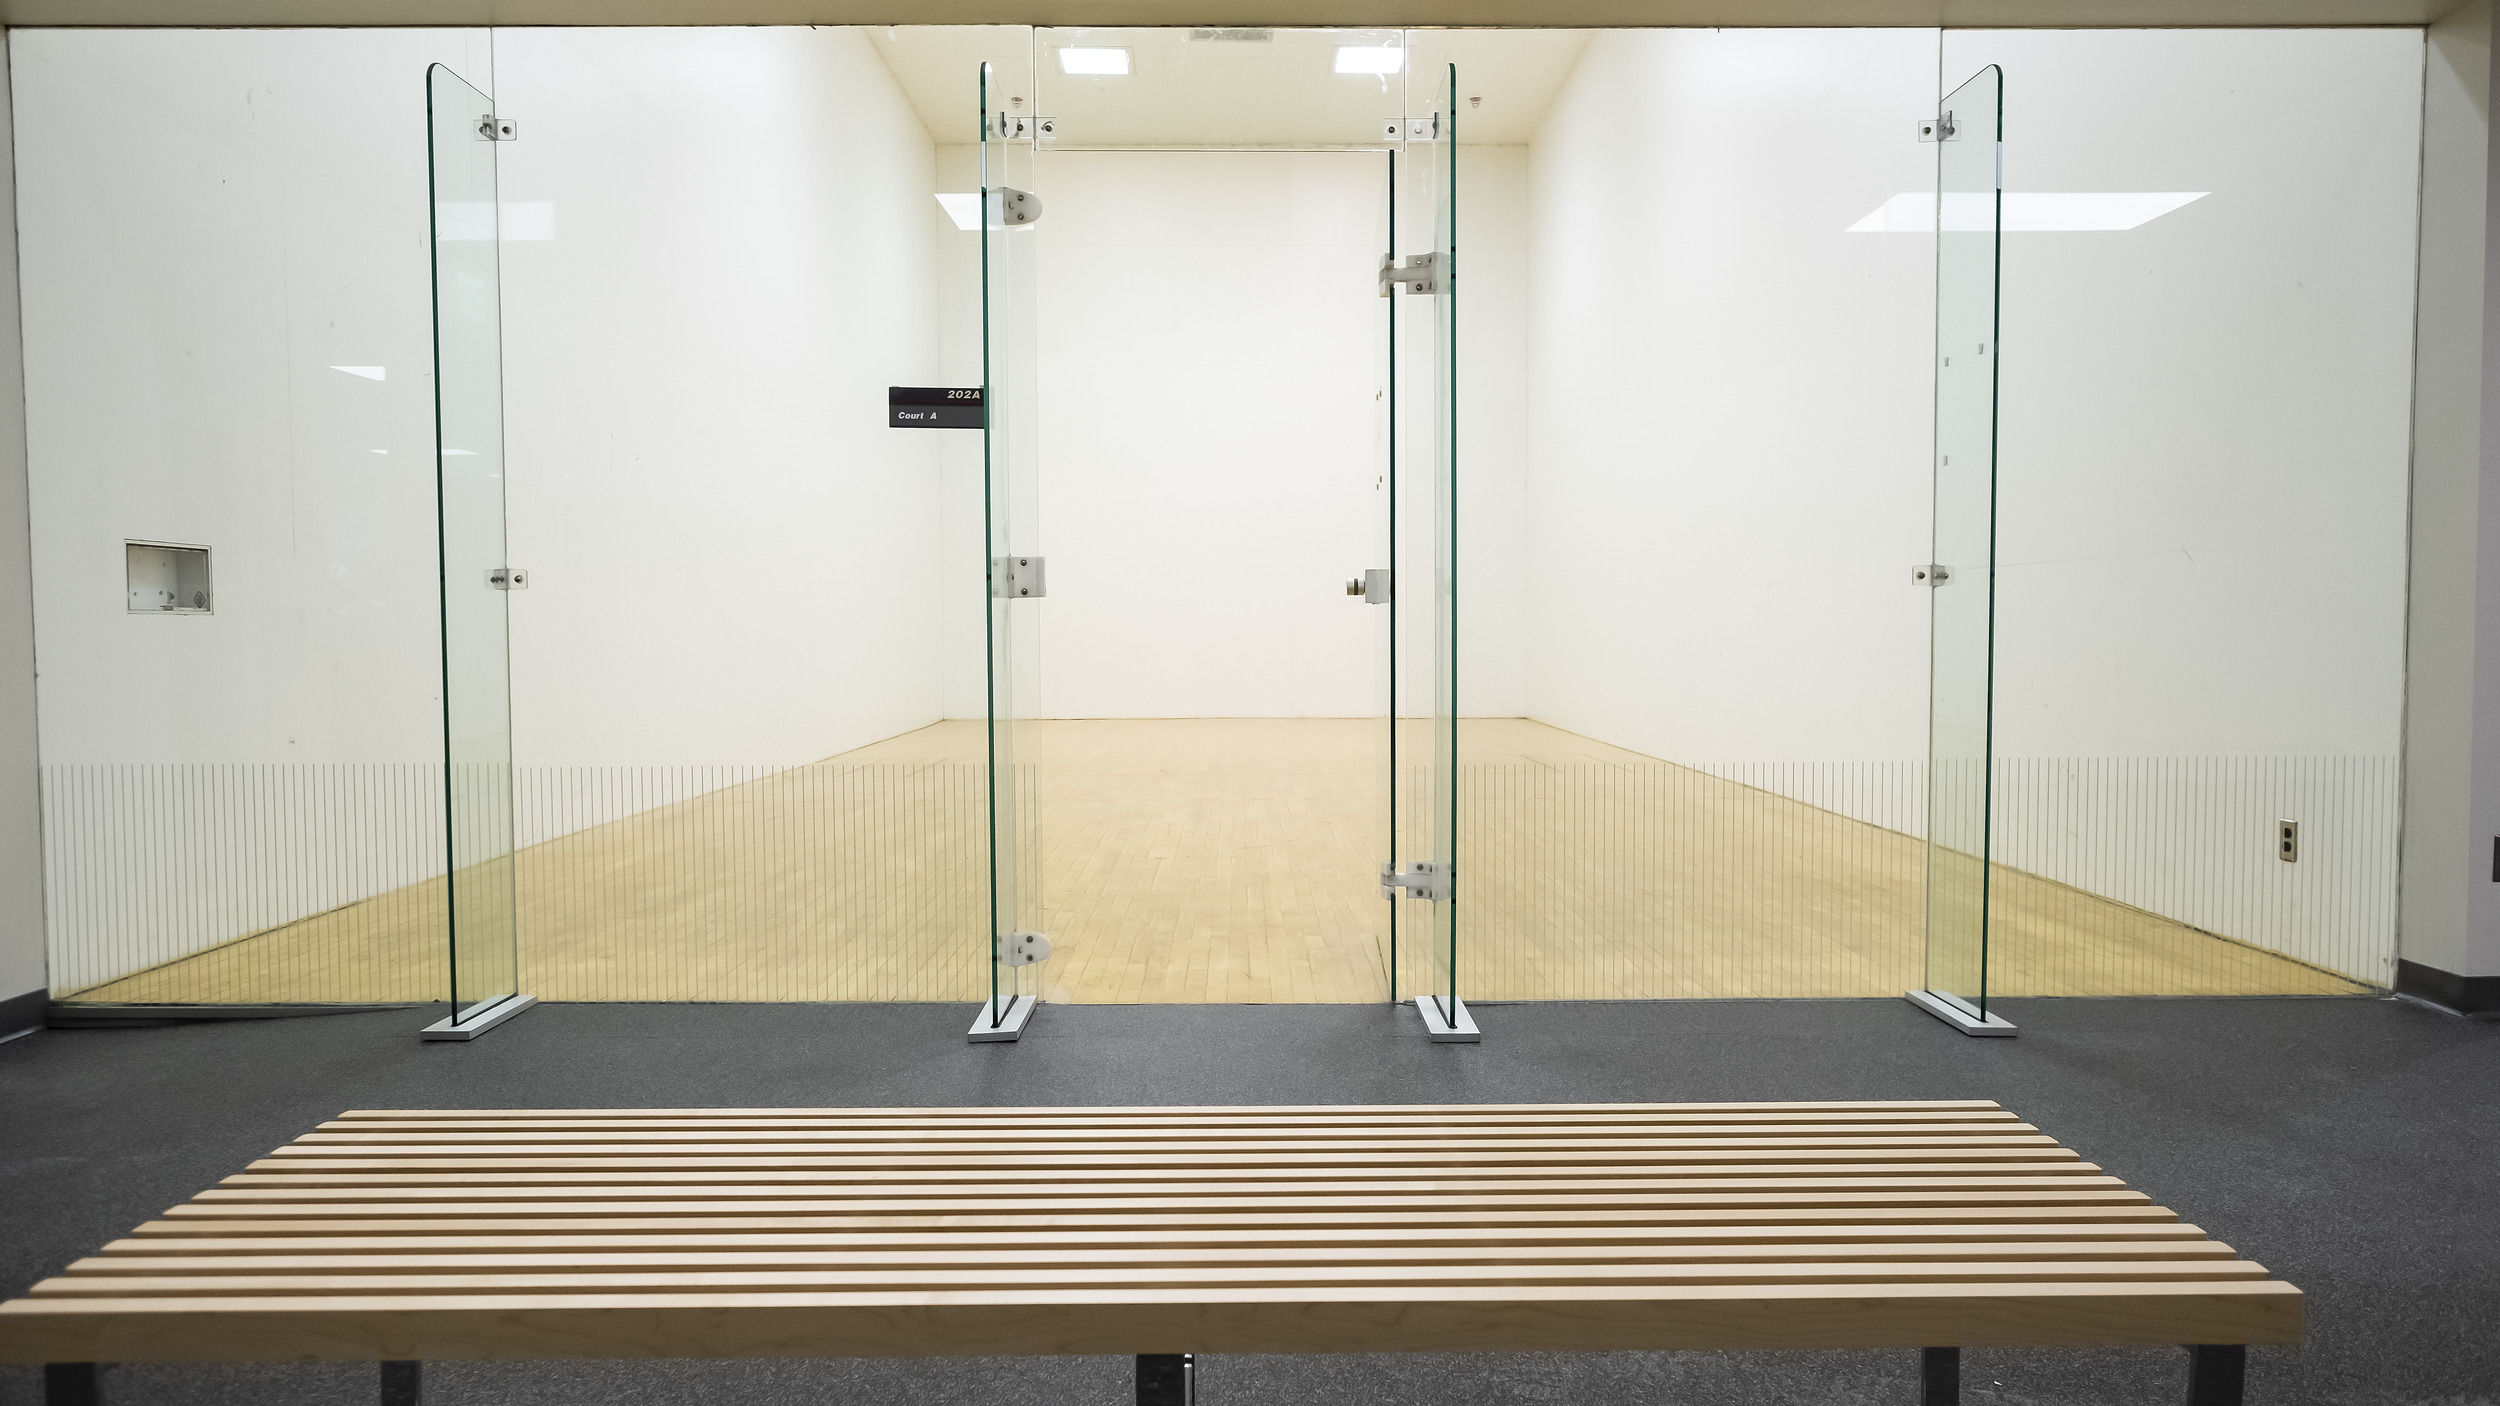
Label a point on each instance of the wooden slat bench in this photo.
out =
(1160, 1232)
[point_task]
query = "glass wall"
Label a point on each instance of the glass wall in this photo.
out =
(1961, 573)
(1688, 451)
(462, 139)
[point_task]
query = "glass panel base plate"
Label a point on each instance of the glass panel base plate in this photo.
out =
(1958, 1014)
(1461, 1031)
(1008, 1024)
(478, 1019)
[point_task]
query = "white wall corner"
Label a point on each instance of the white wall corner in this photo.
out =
(2449, 909)
(21, 834)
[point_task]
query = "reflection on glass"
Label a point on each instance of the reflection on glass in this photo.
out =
(468, 424)
(1964, 581)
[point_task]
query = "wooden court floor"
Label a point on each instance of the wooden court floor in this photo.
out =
(1228, 860)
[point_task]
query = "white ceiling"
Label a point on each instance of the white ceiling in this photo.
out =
(1231, 87)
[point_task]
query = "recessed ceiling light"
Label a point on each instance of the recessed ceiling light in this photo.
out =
(1094, 63)
(1362, 58)
(2026, 211)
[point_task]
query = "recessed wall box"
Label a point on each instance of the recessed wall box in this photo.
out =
(166, 579)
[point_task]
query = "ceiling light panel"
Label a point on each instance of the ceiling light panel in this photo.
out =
(1094, 63)
(1370, 59)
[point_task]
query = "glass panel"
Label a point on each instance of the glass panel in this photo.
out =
(1968, 212)
(468, 442)
(1443, 823)
(1010, 517)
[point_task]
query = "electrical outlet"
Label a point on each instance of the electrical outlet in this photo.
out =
(2287, 841)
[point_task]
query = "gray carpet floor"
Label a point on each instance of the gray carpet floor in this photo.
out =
(2353, 1146)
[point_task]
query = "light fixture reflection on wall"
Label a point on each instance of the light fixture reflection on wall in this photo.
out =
(1371, 59)
(1094, 63)
(2026, 211)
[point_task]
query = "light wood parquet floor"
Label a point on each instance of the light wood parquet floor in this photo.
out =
(1228, 860)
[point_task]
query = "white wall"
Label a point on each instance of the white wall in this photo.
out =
(2202, 444)
(1730, 397)
(21, 837)
(733, 559)
(2206, 421)
(1213, 430)
(210, 222)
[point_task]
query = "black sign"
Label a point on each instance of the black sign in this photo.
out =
(933, 407)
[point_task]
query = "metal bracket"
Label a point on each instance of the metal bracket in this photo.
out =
(1015, 127)
(508, 578)
(1421, 273)
(1425, 879)
(1011, 208)
(1017, 578)
(1931, 574)
(1426, 128)
(491, 128)
(1023, 949)
(1372, 586)
(1939, 128)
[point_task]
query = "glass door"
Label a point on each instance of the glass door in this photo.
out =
(463, 135)
(1962, 570)
(1012, 563)
(1433, 153)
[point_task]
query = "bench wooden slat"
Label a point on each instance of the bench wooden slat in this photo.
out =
(1009, 1253)
(681, 1232)
(1380, 1271)
(1026, 1321)
(358, 1136)
(916, 1214)
(1373, 1112)
(958, 1238)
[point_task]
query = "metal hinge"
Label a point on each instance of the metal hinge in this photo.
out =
(1017, 578)
(1931, 574)
(1016, 127)
(508, 578)
(1421, 273)
(1425, 879)
(491, 128)
(1023, 949)
(1939, 128)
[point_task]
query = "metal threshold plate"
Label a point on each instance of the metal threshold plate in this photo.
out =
(478, 1019)
(1960, 1016)
(1007, 1024)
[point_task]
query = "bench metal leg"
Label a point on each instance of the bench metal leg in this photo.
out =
(2216, 1375)
(403, 1384)
(1940, 1376)
(1168, 1379)
(72, 1384)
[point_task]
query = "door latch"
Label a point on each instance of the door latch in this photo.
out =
(1426, 879)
